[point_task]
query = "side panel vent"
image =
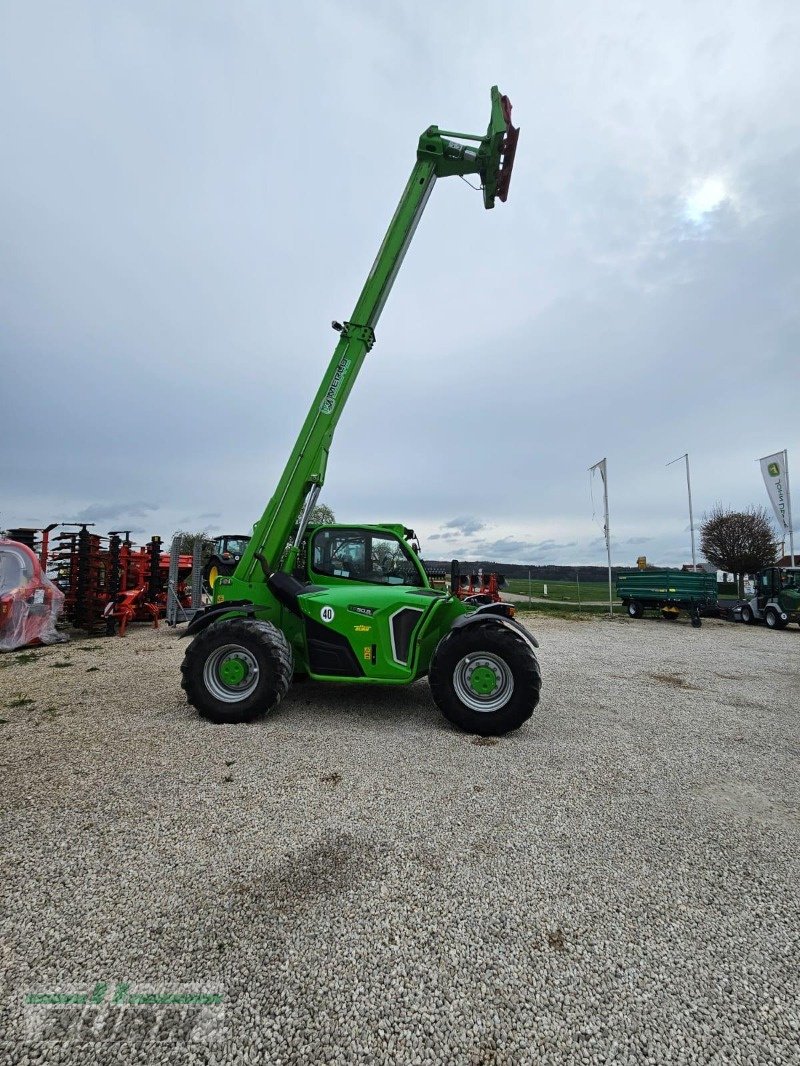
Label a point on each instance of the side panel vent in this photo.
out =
(402, 625)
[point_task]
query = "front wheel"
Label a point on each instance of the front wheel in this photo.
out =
(485, 678)
(746, 615)
(773, 619)
(635, 609)
(237, 670)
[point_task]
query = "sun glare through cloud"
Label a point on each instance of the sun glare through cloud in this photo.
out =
(705, 197)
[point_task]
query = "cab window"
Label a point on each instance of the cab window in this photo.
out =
(237, 545)
(363, 555)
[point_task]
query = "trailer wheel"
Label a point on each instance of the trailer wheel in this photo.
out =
(485, 679)
(746, 615)
(237, 670)
(635, 609)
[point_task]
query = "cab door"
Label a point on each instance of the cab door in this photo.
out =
(766, 590)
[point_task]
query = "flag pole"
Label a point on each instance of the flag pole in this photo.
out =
(691, 515)
(789, 505)
(608, 536)
(603, 467)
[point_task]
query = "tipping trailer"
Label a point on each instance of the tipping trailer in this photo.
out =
(353, 603)
(668, 592)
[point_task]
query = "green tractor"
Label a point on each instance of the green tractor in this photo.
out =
(353, 603)
(226, 551)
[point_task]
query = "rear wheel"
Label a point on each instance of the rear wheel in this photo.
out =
(485, 678)
(635, 609)
(237, 670)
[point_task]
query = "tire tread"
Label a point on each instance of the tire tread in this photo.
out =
(499, 722)
(273, 643)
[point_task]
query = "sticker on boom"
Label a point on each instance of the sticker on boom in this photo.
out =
(327, 405)
(327, 614)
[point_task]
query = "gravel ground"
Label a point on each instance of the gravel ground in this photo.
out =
(354, 881)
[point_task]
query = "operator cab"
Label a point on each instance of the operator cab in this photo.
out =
(773, 580)
(371, 555)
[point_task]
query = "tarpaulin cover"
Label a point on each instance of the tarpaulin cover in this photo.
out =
(30, 602)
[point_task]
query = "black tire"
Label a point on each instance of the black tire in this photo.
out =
(635, 609)
(696, 622)
(259, 648)
(508, 656)
(773, 619)
(219, 568)
(746, 614)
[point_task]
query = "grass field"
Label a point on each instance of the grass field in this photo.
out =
(560, 590)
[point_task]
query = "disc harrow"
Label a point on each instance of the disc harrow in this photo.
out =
(109, 582)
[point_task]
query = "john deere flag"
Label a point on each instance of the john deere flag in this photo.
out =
(773, 467)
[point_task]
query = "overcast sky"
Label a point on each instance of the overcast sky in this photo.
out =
(191, 192)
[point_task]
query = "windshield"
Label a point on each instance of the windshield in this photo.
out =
(364, 555)
(13, 570)
(236, 545)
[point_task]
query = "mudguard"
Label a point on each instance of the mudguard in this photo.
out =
(497, 619)
(238, 608)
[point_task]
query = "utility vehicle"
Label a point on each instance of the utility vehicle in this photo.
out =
(777, 598)
(353, 603)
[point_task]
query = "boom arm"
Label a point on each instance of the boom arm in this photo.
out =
(438, 155)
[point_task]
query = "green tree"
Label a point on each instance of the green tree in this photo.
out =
(189, 539)
(322, 515)
(740, 542)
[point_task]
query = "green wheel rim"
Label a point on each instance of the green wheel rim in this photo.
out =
(483, 682)
(231, 673)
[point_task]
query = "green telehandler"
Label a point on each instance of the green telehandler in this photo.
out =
(353, 603)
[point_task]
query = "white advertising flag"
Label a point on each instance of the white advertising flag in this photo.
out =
(773, 467)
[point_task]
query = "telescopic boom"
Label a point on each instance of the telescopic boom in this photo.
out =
(441, 153)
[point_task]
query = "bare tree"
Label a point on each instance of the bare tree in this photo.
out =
(740, 542)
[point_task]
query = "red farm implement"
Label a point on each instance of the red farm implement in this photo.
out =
(30, 602)
(109, 582)
(478, 588)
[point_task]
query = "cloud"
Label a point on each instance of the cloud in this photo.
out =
(467, 525)
(645, 263)
(99, 512)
